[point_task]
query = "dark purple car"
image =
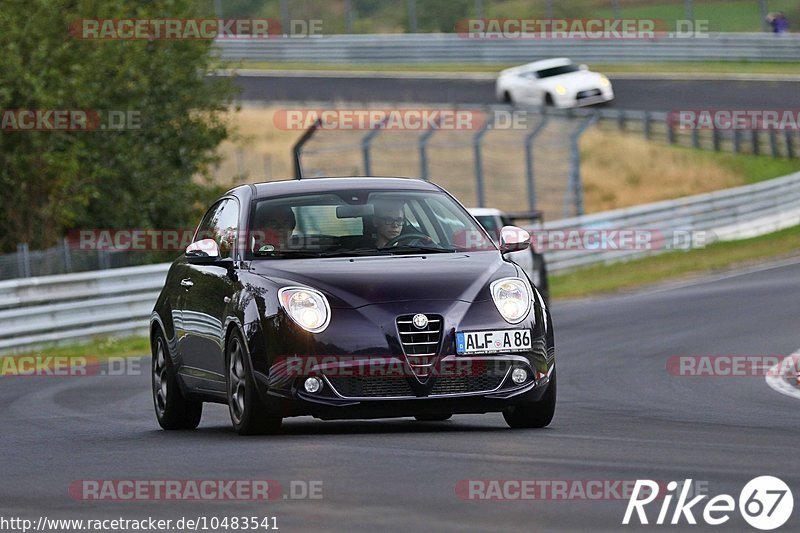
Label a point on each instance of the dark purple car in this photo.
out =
(349, 298)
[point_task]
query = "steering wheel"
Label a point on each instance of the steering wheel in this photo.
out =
(426, 240)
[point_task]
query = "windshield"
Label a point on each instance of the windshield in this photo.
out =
(557, 71)
(361, 222)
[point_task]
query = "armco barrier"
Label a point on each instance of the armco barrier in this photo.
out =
(421, 48)
(73, 307)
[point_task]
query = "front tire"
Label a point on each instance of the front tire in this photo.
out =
(248, 413)
(173, 410)
(534, 414)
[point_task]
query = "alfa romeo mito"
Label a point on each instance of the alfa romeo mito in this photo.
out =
(349, 298)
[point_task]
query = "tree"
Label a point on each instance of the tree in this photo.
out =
(150, 176)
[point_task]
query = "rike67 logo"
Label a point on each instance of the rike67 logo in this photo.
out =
(765, 503)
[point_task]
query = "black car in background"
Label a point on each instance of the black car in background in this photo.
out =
(349, 298)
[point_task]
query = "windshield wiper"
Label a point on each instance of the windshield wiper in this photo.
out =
(285, 253)
(409, 249)
(358, 252)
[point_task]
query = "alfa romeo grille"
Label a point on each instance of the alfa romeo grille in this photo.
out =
(420, 344)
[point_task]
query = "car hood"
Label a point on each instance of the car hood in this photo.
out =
(358, 281)
(578, 79)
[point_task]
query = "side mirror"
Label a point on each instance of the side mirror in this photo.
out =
(583, 66)
(202, 252)
(514, 239)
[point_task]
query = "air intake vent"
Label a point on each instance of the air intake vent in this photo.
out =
(420, 341)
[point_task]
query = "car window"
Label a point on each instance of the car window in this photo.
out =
(557, 71)
(221, 223)
(362, 220)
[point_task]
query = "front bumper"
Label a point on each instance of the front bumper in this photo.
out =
(585, 97)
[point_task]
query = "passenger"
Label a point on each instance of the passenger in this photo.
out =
(273, 227)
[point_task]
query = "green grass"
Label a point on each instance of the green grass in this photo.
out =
(698, 67)
(753, 168)
(98, 348)
(674, 265)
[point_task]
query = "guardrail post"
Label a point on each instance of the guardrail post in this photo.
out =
(754, 142)
(773, 143)
(23, 260)
(621, 120)
(476, 146)
(575, 183)
(529, 160)
(365, 146)
(423, 149)
(646, 125)
(787, 137)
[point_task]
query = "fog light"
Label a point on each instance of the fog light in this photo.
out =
(518, 376)
(313, 385)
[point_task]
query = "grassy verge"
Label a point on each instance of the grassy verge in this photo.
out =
(672, 265)
(99, 348)
(687, 67)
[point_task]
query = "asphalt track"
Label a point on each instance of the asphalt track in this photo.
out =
(620, 416)
(634, 94)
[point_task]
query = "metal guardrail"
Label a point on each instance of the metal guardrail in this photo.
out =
(73, 307)
(730, 214)
(421, 48)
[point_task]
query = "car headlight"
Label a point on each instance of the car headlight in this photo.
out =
(512, 298)
(604, 81)
(307, 307)
(560, 89)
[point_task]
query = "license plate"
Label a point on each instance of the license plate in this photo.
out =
(496, 341)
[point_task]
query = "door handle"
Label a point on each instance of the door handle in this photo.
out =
(188, 283)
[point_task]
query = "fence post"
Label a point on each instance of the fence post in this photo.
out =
(529, 160)
(754, 142)
(476, 146)
(621, 120)
(715, 138)
(695, 138)
(23, 260)
(365, 146)
(670, 132)
(575, 183)
(67, 256)
(787, 137)
(423, 149)
(646, 125)
(298, 147)
(411, 5)
(773, 144)
(737, 140)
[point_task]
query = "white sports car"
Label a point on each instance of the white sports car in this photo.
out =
(556, 82)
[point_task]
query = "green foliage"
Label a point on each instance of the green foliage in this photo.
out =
(149, 177)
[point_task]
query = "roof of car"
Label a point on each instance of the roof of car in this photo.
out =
(326, 184)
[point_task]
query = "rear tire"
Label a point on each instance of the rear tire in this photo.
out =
(248, 414)
(535, 414)
(432, 418)
(173, 410)
(548, 100)
(507, 98)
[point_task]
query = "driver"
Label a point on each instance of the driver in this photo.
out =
(273, 226)
(389, 220)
